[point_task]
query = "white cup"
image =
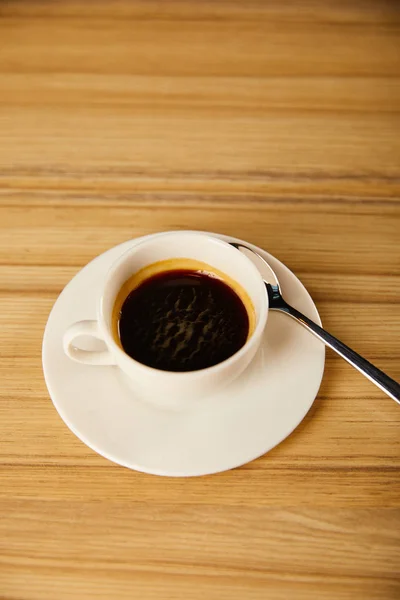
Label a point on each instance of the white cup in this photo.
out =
(166, 386)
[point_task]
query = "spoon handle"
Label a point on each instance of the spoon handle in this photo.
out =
(378, 377)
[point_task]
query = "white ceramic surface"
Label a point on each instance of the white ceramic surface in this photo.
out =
(166, 388)
(218, 432)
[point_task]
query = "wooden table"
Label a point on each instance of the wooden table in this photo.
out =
(275, 122)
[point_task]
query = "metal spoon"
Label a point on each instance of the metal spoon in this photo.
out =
(276, 302)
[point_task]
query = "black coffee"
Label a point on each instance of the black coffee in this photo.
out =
(182, 321)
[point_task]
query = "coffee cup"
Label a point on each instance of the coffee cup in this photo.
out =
(149, 258)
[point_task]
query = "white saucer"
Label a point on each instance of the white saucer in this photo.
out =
(218, 433)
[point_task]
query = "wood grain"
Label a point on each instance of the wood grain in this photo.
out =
(275, 122)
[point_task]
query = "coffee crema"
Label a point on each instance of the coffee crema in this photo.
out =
(182, 315)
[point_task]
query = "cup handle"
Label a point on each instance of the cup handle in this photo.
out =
(87, 357)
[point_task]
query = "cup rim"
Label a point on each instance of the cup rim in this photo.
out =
(115, 348)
